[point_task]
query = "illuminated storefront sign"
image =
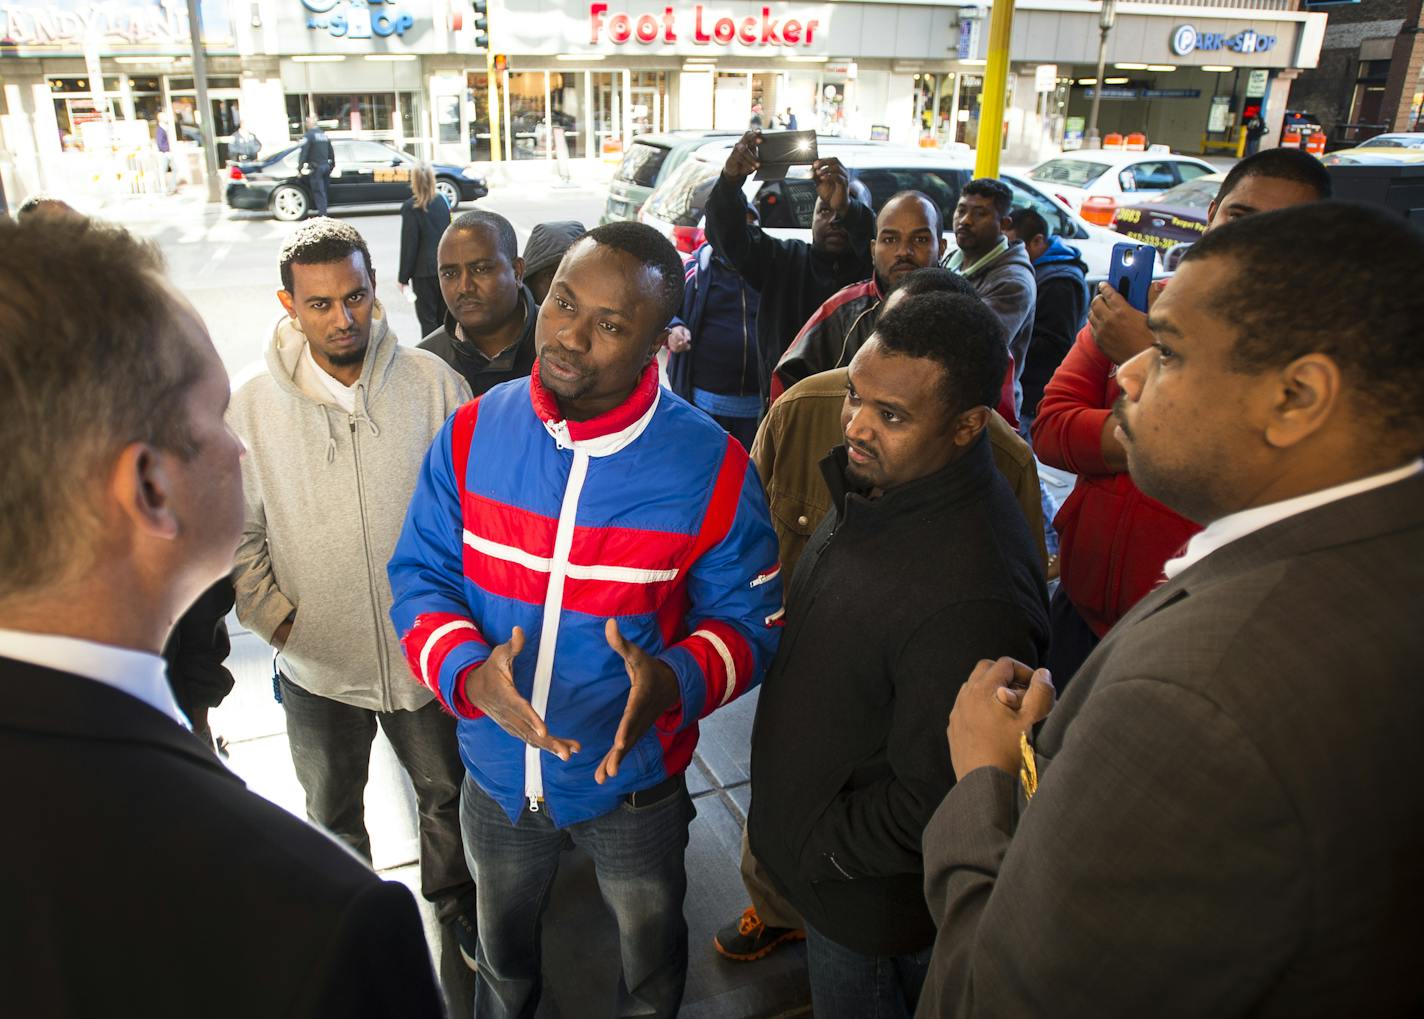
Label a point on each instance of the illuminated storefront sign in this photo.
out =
(701, 26)
(358, 19)
(1186, 39)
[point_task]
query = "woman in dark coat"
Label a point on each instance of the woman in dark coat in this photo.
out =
(424, 217)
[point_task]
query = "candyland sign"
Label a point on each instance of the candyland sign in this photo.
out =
(64, 26)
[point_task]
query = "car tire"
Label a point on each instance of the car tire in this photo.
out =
(448, 190)
(289, 203)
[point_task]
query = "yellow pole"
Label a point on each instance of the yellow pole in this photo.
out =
(496, 148)
(996, 80)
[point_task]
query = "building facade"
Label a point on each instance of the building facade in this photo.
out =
(578, 79)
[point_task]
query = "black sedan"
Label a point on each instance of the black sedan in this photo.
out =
(366, 172)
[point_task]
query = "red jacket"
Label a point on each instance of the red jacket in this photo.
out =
(1113, 540)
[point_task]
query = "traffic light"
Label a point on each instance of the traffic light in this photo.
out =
(481, 24)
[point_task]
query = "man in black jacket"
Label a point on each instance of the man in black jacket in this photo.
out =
(488, 335)
(122, 502)
(315, 162)
(793, 277)
(923, 565)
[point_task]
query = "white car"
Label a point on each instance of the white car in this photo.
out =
(785, 207)
(1094, 183)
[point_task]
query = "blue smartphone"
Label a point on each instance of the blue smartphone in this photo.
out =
(1130, 272)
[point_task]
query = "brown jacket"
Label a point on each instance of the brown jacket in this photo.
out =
(805, 424)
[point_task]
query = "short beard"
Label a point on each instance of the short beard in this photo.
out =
(349, 358)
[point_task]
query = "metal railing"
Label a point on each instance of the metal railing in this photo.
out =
(1248, 5)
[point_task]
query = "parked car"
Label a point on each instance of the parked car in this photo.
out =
(1402, 147)
(1174, 217)
(785, 207)
(367, 172)
(1094, 183)
(647, 163)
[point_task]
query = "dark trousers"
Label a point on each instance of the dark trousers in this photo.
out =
(1070, 640)
(637, 855)
(848, 985)
(316, 182)
(429, 303)
(742, 429)
(331, 751)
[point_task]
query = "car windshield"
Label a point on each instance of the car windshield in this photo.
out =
(1076, 173)
(1395, 141)
(682, 197)
(1195, 194)
(641, 164)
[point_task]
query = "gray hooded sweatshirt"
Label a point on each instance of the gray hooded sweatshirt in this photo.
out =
(326, 495)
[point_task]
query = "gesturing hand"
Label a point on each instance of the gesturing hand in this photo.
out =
(997, 703)
(654, 691)
(490, 687)
(832, 183)
(742, 160)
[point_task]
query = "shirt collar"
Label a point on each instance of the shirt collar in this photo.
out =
(1220, 533)
(140, 674)
(611, 430)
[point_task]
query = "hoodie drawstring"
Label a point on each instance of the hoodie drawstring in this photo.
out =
(321, 409)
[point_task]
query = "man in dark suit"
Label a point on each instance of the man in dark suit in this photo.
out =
(137, 874)
(1222, 818)
(315, 162)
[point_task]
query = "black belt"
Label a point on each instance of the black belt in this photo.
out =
(655, 794)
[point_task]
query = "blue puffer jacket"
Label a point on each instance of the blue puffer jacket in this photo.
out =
(648, 514)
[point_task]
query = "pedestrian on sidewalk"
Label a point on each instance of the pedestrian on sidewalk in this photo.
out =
(315, 161)
(335, 426)
(923, 566)
(793, 277)
(139, 876)
(587, 569)
(487, 334)
(424, 219)
(712, 345)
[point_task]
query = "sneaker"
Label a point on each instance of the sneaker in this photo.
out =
(749, 939)
(467, 936)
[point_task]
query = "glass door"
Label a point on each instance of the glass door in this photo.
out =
(608, 113)
(567, 95)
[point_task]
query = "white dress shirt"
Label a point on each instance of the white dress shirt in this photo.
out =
(1220, 533)
(137, 673)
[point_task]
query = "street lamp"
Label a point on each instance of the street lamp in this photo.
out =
(1106, 16)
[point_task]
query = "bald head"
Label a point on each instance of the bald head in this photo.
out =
(908, 236)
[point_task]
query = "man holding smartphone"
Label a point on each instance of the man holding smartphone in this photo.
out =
(793, 277)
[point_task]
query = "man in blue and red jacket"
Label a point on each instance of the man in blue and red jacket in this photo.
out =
(587, 568)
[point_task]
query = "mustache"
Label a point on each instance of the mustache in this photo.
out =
(1119, 413)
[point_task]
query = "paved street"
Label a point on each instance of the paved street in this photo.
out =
(226, 264)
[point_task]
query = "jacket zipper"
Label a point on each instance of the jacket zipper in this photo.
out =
(549, 631)
(370, 581)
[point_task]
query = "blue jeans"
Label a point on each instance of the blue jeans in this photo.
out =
(848, 985)
(637, 854)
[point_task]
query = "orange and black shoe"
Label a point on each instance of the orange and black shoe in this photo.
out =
(749, 939)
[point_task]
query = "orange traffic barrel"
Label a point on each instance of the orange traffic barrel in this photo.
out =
(1315, 143)
(1112, 141)
(1290, 139)
(1136, 142)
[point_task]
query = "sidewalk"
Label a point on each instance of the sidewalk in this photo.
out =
(580, 940)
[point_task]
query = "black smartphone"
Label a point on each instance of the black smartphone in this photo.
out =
(781, 149)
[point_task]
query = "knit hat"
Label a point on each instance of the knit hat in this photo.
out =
(548, 242)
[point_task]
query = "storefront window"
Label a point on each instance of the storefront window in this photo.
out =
(477, 115)
(567, 99)
(648, 98)
(607, 112)
(526, 114)
(384, 113)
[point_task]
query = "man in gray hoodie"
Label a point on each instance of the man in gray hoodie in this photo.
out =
(999, 268)
(336, 427)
